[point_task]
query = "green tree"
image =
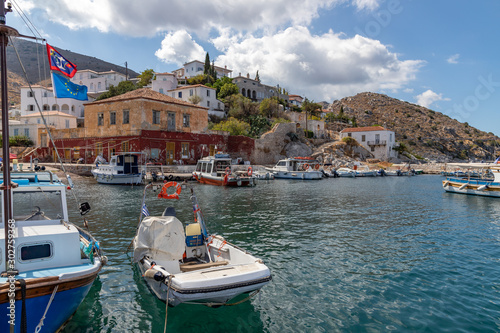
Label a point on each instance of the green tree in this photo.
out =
(241, 107)
(269, 107)
(20, 141)
(121, 88)
(233, 126)
(206, 68)
(257, 77)
(228, 89)
(258, 125)
(311, 108)
(279, 121)
(145, 78)
(195, 99)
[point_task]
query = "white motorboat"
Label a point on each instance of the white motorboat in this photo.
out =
(346, 172)
(297, 168)
(217, 170)
(482, 185)
(185, 264)
(123, 169)
(365, 171)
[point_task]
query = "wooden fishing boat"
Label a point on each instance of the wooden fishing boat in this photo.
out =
(217, 170)
(468, 184)
(186, 264)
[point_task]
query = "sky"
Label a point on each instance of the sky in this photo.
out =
(444, 55)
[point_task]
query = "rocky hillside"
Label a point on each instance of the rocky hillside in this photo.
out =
(425, 133)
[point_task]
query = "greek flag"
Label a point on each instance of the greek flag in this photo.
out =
(145, 211)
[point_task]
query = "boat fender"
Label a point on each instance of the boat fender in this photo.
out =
(154, 274)
(226, 178)
(446, 183)
(463, 186)
(482, 187)
(250, 171)
(164, 194)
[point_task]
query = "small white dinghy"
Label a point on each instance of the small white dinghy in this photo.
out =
(185, 264)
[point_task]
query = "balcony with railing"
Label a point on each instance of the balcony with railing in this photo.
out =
(377, 143)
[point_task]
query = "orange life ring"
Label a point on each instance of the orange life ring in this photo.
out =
(316, 167)
(164, 194)
(228, 170)
(306, 166)
(250, 171)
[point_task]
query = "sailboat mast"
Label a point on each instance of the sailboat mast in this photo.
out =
(7, 199)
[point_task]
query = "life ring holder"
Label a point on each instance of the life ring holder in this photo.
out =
(164, 194)
(249, 171)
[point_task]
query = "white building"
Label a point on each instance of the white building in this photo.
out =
(98, 82)
(197, 67)
(376, 139)
(28, 125)
(207, 95)
(296, 100)
(48, 102)
(163, 82)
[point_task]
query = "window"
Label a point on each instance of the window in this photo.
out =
(98, 148)
(67, 123)
(390, 137)
(185, 150)
(16, 131)
(112, 118)
(27, 132)
(36, 251)
(363, 138)
(31, 107)
(190, 92)
(372, 148)
(98, 86)
(161, 91)
(100, 119)
(179, 94)
(208, 93)
(30, 93)
(125, 146)
(185, 121)
(208, 104)
(125, 116)
(156, 117)
(349, 134)
(39, 121)
(45, 107)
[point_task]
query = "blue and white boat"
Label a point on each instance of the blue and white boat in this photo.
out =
(488, 185)
(47, 263)
(297, 168)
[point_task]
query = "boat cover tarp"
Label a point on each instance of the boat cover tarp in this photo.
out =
(160, 237)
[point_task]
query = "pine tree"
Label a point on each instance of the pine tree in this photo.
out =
(257, 78)
(207, 69)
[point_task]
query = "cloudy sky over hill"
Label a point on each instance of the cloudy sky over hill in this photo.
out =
(442, 55)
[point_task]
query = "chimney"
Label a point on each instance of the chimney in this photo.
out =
(248, 75)
(239, 74)
(225, 66)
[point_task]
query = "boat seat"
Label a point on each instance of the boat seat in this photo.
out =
(169, 211)
(193, 235)
(193, 266)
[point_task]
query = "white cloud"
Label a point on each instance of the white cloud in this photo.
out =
(179, 48)
(428, 97)
(453, 59)
(321, 67)
(148, 17)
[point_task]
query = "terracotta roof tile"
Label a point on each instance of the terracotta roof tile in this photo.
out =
(363, 129)
(146, 93)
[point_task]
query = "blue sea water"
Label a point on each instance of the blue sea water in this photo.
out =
(347, 255)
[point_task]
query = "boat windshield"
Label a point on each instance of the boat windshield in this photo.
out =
(32, 206)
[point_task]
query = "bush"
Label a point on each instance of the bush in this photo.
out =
(233, 126)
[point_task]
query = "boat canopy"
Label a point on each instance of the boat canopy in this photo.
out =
(158, 236)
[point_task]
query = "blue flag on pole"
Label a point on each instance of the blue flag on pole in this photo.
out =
(64, 88)
(145, 210)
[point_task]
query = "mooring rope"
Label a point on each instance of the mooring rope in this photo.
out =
(166, 302)
(40, 324)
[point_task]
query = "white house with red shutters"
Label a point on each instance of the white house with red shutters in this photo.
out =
(376, 139)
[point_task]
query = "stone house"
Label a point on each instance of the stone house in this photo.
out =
(257, 91)
(376, 139)
(48, 102)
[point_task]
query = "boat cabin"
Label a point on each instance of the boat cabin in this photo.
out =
(122, 164)
(214, 165)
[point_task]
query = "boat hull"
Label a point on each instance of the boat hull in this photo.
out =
(206, 291)
(208, 179)
(305, 175)
(472, 187)
(127, 179)
(69, 296)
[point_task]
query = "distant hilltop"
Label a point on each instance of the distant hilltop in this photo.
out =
(425, 133)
